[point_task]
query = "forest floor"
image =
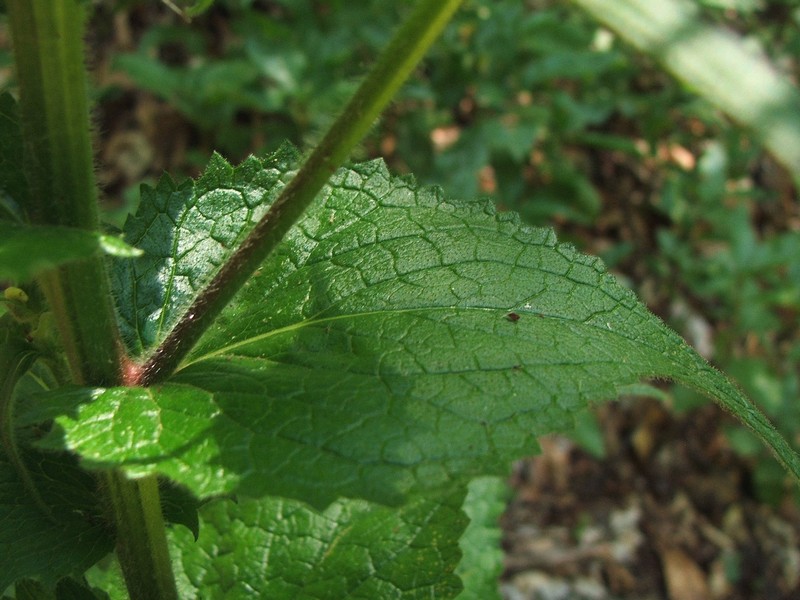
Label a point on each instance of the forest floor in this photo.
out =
(668, 513)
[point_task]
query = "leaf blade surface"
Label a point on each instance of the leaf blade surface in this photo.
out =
(351, 550)
(397, 343)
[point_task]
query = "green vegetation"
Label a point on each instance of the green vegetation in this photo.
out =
(316, 374)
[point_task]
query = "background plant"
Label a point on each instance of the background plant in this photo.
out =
(246, 176)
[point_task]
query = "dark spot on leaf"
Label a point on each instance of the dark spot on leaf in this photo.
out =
(513, 317)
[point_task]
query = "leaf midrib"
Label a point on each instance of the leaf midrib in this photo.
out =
(230, 349)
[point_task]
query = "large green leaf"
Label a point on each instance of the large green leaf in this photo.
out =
(274, 548)
(395, 343)
(724, 68)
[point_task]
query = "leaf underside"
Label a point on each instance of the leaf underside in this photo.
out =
(396, 343)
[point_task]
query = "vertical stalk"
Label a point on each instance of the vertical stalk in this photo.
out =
(58, 163)
(145, 564)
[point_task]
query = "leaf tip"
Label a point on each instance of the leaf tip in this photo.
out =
(114, 246)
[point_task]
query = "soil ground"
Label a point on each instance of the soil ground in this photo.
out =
(669, 513)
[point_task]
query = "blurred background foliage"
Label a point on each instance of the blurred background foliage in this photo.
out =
(529, 102)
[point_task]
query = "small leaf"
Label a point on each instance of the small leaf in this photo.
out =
(27, 250)
(274, 548)
(194, 9)
(15, 294)
(198, 7)
(16, 359)
(179, 507)
(72, 588)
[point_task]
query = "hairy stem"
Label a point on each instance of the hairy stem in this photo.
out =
(393, 67)
(54, 109)
(54, 112)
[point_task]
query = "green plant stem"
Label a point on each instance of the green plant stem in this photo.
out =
(54, 113)
(393, 67)
(54, 109)
(140, 527)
